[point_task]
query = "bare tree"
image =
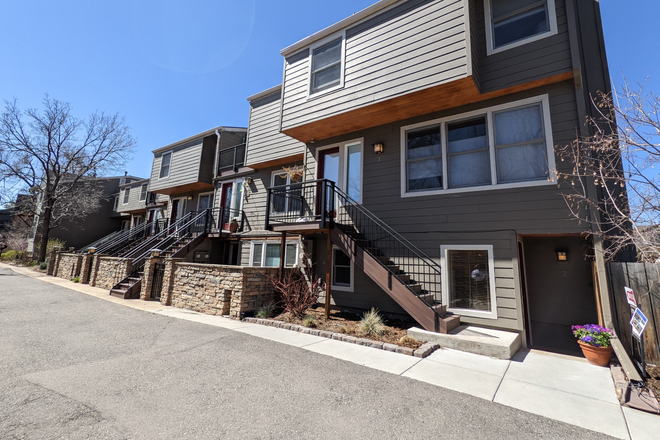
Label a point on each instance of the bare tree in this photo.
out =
(53, 155)
(614, 180)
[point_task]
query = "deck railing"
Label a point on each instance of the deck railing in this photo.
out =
(231, 159)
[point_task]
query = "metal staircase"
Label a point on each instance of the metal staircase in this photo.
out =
(178, 239)
(397, 266)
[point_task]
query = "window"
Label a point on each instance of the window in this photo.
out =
(326, 66)
(354, 171)
(289, 201)
(116, 204)
(205, 202)
(342, 271)
(143, 192)
(122, 181)
(516, 22)
(165, 161)
(468, 280)
(127, 195)
(504, 146)
(268, 255)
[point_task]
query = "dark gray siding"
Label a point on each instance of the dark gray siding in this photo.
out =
(134, 202)
(538, 59)
(416, 45)
(208, 158)
(265, 142)
(481, 217)
(254, 199)
(184, 167)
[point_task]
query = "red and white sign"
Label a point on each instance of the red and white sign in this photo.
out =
(630, 296)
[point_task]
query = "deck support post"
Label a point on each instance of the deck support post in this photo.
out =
(282, 254)
(328, 276)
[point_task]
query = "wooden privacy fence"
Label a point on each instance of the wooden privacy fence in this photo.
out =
(644, 279)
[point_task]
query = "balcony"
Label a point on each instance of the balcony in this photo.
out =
(231, 160)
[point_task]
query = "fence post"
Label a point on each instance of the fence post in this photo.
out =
(149, 265)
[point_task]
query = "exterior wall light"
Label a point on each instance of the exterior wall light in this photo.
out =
(248, 180)
(190, 197)
(562, 256)
(378, 148)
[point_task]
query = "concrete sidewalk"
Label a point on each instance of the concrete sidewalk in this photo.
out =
(559, 387)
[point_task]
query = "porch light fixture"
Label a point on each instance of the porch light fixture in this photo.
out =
(378, 147)
(562, 256)
(91, 250)
(190, 197)
(248, 180)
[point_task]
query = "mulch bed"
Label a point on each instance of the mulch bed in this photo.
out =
(654, 381)
(348, 323)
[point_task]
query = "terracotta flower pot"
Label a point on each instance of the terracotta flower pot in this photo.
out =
(596, 355)
(233, 227)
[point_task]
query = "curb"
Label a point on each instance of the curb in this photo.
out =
(426, 349)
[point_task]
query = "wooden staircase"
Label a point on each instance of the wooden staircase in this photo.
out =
(401, 287)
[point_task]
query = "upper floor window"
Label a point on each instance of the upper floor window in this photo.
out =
(516, 22)
(165, 162)
(127, 195)
(143, 192)
(116, 204)
(326, 69)
(508, 145)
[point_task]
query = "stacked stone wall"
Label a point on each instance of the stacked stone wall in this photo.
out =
(69, 266)
(219, 290)
(110, 271)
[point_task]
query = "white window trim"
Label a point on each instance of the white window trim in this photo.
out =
(263, 252)
(552, 19)
(544, 100)
(200, 195)
(492, 314)
(343, 163)
(272, 184)
(169, 169)
(116, 205)
(333, 286)
(336, 36)
(126, 200)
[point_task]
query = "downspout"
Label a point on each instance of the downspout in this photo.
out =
(217, 152)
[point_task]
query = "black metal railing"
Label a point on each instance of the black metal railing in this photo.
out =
(231, 159)
(225, 219)
(108, 238)
(151, 199)
(123, 239)
(321, 201)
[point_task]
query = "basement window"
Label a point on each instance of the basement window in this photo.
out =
(267, 254)
(342, 271)
(468, 280)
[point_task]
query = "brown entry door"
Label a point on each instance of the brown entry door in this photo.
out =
(225, 203)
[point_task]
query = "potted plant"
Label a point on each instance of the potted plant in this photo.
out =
(594, 341)
(233, 225)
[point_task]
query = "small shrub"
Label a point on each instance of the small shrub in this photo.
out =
(298, 290)
(76, 280)
(308, 321)
(31, 263)
(43, 266)
(409, 342)
(342, 329)
(372, 323)
(267, 311)
(10, 255)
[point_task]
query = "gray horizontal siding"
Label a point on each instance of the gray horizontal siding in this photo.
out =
(254, 199)
(528, 62)
(184, 166)
(134, 202)
(265, 142)
(416, 45)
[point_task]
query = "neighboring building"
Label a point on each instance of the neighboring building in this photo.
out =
(6, 216)
(79, 232)
(436, 120)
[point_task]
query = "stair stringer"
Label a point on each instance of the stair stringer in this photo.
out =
(399, 292)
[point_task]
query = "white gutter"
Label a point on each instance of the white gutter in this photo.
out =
(371, 10)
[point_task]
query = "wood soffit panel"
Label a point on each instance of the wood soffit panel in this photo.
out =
(445, 96)
(190, 187)
(277, 162)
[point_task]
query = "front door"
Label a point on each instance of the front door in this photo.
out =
(178, 210)
(329, 168)
(225, 204)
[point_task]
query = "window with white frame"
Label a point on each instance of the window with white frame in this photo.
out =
(342, 270)
(143, 192)
(516, 22)
(286, 201)
(267, 254)
(116, 204)
(127, 195)
(205, 201)
(354, 171)
(165, 162)
(469, 280)
(507, 145)
(326, 66)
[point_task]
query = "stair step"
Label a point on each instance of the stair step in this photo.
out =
(417, 288)
(449, 323)
(393, 268)
(118, 293)
(374, 251)
(384, 260)
(404, 278)
(429, 298)
(441, 309)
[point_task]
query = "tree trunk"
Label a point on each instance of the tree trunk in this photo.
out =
(45, 231)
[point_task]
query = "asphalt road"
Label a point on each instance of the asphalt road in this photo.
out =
(76, 367)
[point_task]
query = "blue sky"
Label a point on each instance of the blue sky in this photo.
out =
(175, 68)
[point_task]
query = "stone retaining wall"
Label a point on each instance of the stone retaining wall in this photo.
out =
(109, 272)
(69, 266)
(218, 290)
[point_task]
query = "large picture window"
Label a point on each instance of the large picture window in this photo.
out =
(516, 22)
(326, 69)
(264, 254)
(499, 147)
(468, 280)
(288, 200)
